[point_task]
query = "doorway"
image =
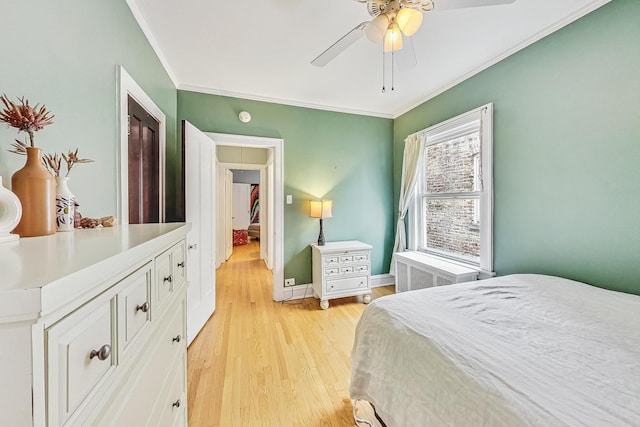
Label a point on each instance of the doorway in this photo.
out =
(271, 196)
(147, 191)
(143, 167)
(243, 206)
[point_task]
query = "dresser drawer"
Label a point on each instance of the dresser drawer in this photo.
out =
(163, 281)
(347, 284)
(171, 407)
(134, 305)
(346, 270)
(79, 355)
(173, 337)
(170, 274)
(179, 262)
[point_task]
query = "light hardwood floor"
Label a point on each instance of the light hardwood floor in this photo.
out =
(261, 363)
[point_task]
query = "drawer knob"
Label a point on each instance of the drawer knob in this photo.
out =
(181, 264)
(176, 404)
(143, 308)
(193, 246)
(102, 354)
(168, 279)
(178, 338)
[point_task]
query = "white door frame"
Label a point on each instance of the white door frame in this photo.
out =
(277, 144)
(127, 86)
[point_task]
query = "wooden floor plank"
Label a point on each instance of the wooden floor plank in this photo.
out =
(261, 363)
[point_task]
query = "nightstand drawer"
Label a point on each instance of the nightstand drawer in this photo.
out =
(346, 259)
(340, 285)
(332, 260)
(346, 270)
(332, 271)
(361, 268)
(361, 257)
(79, 355)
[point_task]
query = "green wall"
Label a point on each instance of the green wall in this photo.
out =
(65, 54)
(566, 147)
(343, 157)
(567, 114)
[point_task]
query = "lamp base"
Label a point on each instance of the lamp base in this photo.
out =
(321, 236)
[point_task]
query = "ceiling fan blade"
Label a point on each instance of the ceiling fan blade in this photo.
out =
(406, 57)
(439, 5)
(338, 47)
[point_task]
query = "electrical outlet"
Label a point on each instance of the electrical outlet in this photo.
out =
(289, 282)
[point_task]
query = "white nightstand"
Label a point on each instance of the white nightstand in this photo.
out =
(341, 269)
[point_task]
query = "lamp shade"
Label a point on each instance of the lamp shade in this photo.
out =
(376, 29)
(393, 39)
(409, 21)
(320, 208)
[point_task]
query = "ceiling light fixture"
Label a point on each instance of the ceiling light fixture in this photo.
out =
(244, 117)
(406, 14)
(393, 38)
(394, 19)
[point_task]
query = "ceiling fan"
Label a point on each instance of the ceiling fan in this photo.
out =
(391, 20)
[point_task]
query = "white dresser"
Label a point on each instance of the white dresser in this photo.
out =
(341, 269)
(92, 326)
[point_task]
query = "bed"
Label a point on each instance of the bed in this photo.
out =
(519, 350)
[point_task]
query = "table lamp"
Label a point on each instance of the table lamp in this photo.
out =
(320, 209)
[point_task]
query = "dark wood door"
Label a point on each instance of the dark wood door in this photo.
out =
(144, 166)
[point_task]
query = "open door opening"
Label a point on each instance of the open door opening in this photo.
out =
(264, 155)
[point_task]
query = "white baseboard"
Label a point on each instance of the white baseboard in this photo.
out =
(382, 280)
(298, 292)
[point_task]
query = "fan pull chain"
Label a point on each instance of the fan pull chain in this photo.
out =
(392, 62)
(384, 89)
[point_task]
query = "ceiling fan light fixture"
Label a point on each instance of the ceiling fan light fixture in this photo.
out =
(409, 21)
(393, 39)
(376, 29)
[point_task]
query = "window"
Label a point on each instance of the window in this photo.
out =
(452, 209)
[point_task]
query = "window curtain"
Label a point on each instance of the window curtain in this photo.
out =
(413, 146)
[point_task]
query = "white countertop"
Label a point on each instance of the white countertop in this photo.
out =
(38, 273)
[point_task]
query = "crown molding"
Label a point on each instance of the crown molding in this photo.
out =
(232, 94)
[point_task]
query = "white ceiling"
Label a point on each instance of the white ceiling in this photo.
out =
(263, 49)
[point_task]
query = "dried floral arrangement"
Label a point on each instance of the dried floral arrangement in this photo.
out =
(30, 119)
(24, 117)
(53, 162)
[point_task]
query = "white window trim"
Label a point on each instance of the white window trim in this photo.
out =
(441, 132)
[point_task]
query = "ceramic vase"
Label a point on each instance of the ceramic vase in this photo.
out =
(65, 205)
(10, 213)
(36, 189)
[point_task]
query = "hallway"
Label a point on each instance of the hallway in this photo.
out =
(261, 363)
